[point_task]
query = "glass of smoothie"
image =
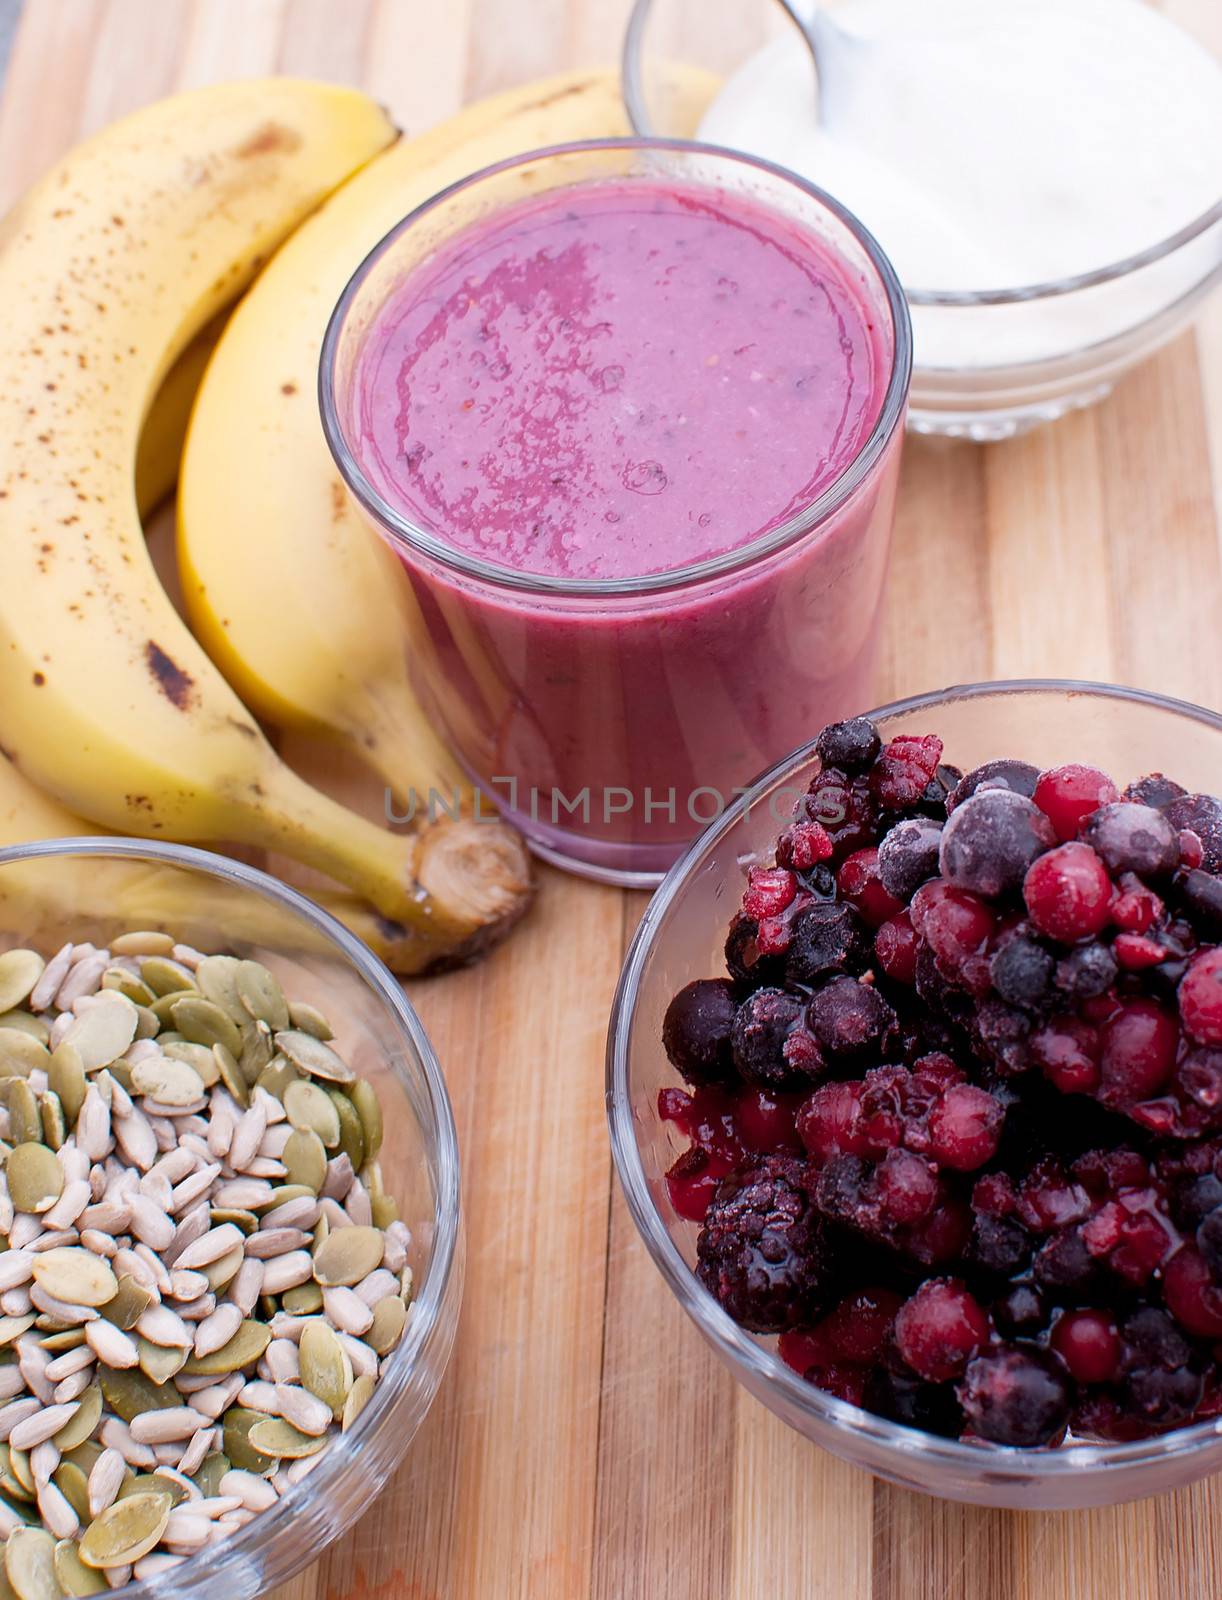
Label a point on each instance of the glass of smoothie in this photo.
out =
(630, 413)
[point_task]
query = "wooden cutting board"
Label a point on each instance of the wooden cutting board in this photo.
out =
(584, 1445)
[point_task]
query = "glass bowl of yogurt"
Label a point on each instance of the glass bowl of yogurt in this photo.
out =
(1046, 177)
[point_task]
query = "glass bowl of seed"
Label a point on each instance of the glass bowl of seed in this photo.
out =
(230, 1234)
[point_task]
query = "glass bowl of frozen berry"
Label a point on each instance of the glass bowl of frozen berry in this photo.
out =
(915, 1089)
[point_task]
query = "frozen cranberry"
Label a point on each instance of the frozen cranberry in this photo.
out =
(1067, 796)
(769, 891)
(826, 938)
(1019, 776)
(1068, 893)
(1022, 972)
(1066, 1050)
(940, 1329)
(965, 1127)
(990, 841)
(764, 1027)
(1200, 814)
(851, 1021)
(696, 1030)
(1136, 908)
(803, 845)
(954, 923)
(1088, 1344)
(861, 884)
(907, 1187)
(1132, 838)
(850, 745)
(830, 1123)
(895, 945)
(903, 771)
(908, 857)
(1200, 998)
(1193, 1298)
(766, 1121)
(805, 1350)
(857, 1330)
(1137, 1050)
(1015, 1395)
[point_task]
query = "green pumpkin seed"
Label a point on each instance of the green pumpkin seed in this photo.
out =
(386, 1330)
(142, 942)
(358, 1398)
(66, 1077)
(217, 977)
(132, 1299)
(351, 1133)
(326, 1370)
(159, 1363)
(283, 1193)
(170, 1082)
(208, 1479)
(277, 1077)
(20, 970)
(261, 995)
(125, 1531)
(243, 1350)
(221, 1272)
(26, 1022)
(118, 980)
(84, 1455)
(230, 1074)
(309, 1019)
(348, 1255)
(19, 1463)
(257, 1052)
(69, 1339)
(24, 1115)
(13, 1327)
(246, 1220)
(238, 1448)
(129, 1393)
(166, 977)
(203, 1022)
(71, 1573)
(313, 1056)
(150, 1483)
(10, 1485)
(198, 1057)
(148, 1024)
(54, 1127)
(105, 1031)
(385, 1209)
(76, 1275)
(29, 1564)
(303, 1300)
(275, 1437)
(305, 1159)
(163, 1010)
(80, 1426)
(73, 1484)
(35, 1181)
(21, 1053)
(310, 1107)
(368, 1108)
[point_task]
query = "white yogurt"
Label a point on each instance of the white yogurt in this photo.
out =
(997, 144)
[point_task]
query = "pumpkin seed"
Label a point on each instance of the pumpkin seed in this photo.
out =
(163, 1009)
(172, 1083)
(21, 1053)
(305, 1159)
(310, 1107)
(309, 1019)
(73, 1484)
(243, 1350)
(142, 942)
(348, 1255)
(385, 1210)
(203, 1022)
(148, 1025)
(66, 1077)
(277, 1076)
(358, 1398)
(19, 1463)
(273, 1436)
(80, 1427)
(25, 1118)
(217, 977)
(257, 1052)
(325, 1368)
(386, 1329)
(131, 1300)
(261, 995)
(125, 1531)
(369, 1109)
(29, 1564)
(150, 1483)
(212, 1469)
(302, 1301)
(76, 1275)
(69, 1339)
(235, 1437)
(84, 1455)
(20, 970)
(166, 977)
(198, 1057)
(26, 1022)
(159, 1363)
(120, 981)
(246, 1220)
(71, 1573)
(230, 1074)
(313, 1056)
(221, 1271)
(35, 1180)
(13, 1327)
(54, 1127)
(11, 1484)
(351, 1133)
(130, 1394)
(105, 1031)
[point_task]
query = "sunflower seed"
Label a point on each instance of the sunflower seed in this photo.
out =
(162, 1426)
(211, 1246)
(58, 1516)
(142, 942)
(83, 978)
(110, 1345)
(44, 1424)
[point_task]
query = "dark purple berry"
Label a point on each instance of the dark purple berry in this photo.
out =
(1022, 973)
(1019, 776)
(761, 1251)
(1196, 1199)
(991, 839)
(762, 1031)
(999, 1245)
(851, 1022)
(1199, 895)
(1016, 1395)
(825, 939)
(1160, 1385)
(1154, 790)
(935, 802)
(1065, 1269)
(1087, 971)
(904, 1398)
(850, 745)
(744, 960)
(696, 1030)
(1133, 838)
(1200, 814)
(1021, 1313)
(1209, 1243)
(908, 856)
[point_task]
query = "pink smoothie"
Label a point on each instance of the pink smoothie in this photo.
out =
(605, 382)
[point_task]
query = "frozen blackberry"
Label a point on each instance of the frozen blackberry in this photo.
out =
(1161, 1385)
(851, 1022)
(1088, 971)
(851, 745)
(1199, 895)
(1154, 790)
(991, 839)
(762, 1036)
(1200, 814)
(1015, 1395)
(1022, 972)
(825, 939)
(697, 1028)
(1133, 838)
(1019, 776)
(761, 1251)
(908, 856)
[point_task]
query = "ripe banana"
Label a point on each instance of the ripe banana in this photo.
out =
(159, 453)
(108, 268)
(296, 602)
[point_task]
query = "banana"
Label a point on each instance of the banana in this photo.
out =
(296, 602)
(109, 267)
(159, 452)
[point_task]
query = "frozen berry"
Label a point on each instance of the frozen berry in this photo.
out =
(1200, 814)
(904, 769)
(1068, 893)
(1200, 998)
(1193, 1298)
(860, 883)
(1132, 838)
(1088, 971)
(939, 1329)
(935, 802)
(955, 924)
(908, 856)
(1199, 894)
(965, 1127)
(1137, 1050)
(1019, 776)
(1015, 1395)
(1088, 1344)
(1209, 1243)
(1022, 973)
(803, 845)
(990, 841)
(1136, 908)
(895, 945)
(696, 1030)
(849, 745)
(763, 1031)
(851, 1021)
(745, 960)
(825, 939)
(769, 891)
(761, 1251)
(908, 1400)
(1068, 795)
(1160, 1385)
(999, 1245)
(858, 1328)
(831, 1123)
(1154, 790)
(1021, 1312)
(842, 808)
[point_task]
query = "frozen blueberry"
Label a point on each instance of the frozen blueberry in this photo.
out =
(1019, 776)
(991, 839)
(1088, 971)
(697, 1028)
(1016, 1395)
(762, 1030)
(1133, 838)
(826, 938)
(1154, 790)
(1199, 895)
(850, 745)
(1022, 973)
(908, 855)
(744, 959)
(851, 1021)
(1200, 814)
(904, 1398)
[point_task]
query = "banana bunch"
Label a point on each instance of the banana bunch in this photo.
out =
(110, 267)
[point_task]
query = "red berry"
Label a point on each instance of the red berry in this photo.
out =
(1066, 1050)
(803, 1349)
(1193, 1299)
(769, 891)
(772, 936)
(903, 771)
(965, 1127)
(692, 1181)
(858, 1329)
(1068, 893)
(1192, 851)
(954, 923)
(860, 884)
(1088, 1344)
(1068, 795)
(765, 1121)
(803, 845)
(1133, 952)
(907, 1187)
(1136, 909)
(1200, 997)
(940, 1329)
(830, 1123)
(1138, 1043)
(895, 945)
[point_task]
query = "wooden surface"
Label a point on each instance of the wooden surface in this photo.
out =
(584, 1445)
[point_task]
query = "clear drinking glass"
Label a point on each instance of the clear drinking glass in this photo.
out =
(94, 889)
(1123, 731)
(582, 708)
